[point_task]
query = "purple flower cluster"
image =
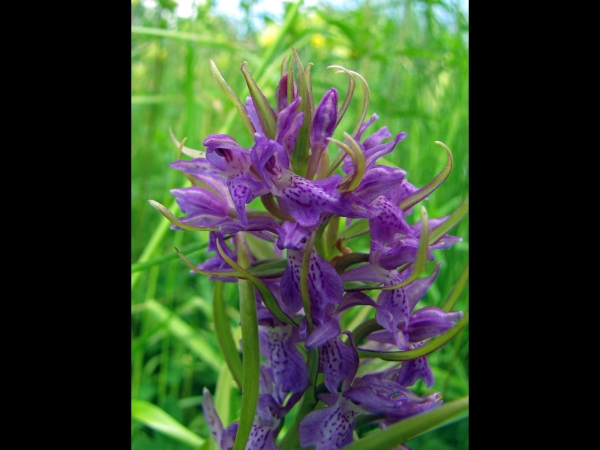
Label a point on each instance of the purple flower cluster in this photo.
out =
(300, 211)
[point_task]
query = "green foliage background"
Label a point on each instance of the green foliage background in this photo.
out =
(415, 57)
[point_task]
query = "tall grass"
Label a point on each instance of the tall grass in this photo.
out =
(414, 55)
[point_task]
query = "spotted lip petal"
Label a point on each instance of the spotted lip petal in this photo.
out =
(389, 222)
(306, 200)
(329, 428)
(338, 362)
(324, 284)
(290, 372)
(264, 429)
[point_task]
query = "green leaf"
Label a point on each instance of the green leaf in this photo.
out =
(234, 99)
(223, 332)
(301, 154)
(406, 429)
(250, 349)
(422, 193)
(265, 113)
(155, 418)
(171, 217)
(351, 86)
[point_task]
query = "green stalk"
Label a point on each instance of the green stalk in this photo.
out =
(250, 349)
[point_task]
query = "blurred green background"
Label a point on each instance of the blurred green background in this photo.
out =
(415, 57)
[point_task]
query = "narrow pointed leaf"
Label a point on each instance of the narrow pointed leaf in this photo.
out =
(301, 154)
(272, 269)
(351, 86)
(419, 195)
(223, 332)
(157, 419)
(186, 150)
(402, 431)
(358, 160)
(234, 99)
(169, 215)
(265, 113)
(365, 106)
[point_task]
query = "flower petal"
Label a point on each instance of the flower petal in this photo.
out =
(329, 428)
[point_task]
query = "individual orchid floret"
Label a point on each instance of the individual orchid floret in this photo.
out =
(338, 362)
(381, 393)
(289, 369)
(390, 223)
(227, 156)
(330, 428)
(325, 287)
(203, 207)
(302, 199)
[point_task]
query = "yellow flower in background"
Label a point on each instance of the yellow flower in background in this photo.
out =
(317, 40)
(267, 37)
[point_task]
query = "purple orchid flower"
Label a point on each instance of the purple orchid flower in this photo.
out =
(330, 428)
(382, 393)
(304, 200)
(224, 154)
(288, 368)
